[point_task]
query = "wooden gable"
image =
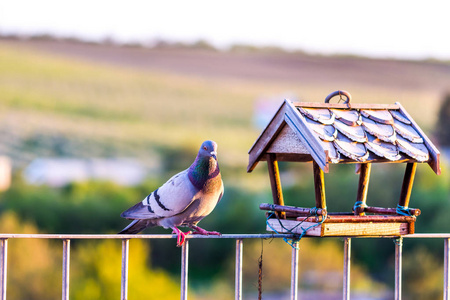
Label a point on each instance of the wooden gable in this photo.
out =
(287, 142)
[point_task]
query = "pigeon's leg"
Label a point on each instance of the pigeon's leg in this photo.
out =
(198, 230)
(181, 236)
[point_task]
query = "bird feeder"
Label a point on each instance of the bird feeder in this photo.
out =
(342, 133)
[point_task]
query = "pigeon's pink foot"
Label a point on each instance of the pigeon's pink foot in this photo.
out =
(202, 231)
(181, 236)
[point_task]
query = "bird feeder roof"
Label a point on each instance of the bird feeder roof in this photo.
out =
(334, 133)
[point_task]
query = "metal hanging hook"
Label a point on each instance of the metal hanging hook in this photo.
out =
(341, 94)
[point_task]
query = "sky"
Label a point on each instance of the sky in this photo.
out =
(382, 29)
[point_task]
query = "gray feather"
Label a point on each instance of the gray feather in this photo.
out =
(136, 226)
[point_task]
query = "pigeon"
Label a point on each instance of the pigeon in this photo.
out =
(184, 200)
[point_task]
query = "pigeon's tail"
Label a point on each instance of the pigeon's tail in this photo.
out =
(136, 226)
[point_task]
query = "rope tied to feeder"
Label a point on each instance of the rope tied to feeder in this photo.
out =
(297, 237)
(404, 211)
(359, 204)
(398, 241)
(340, 97)
(313, 211)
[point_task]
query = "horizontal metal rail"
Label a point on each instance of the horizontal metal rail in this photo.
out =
(170, 236)
(65, 238)
(136, 236)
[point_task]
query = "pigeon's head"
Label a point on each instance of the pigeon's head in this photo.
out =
(205, 166)
(208, 149)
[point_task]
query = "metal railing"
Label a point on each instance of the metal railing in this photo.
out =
(66, 238)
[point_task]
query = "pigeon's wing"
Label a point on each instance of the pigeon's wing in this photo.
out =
(136, 226)
(168, 200)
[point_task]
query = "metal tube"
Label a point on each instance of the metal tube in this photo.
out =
(3, 266)
(294, 272)
(428, 236)
(346, 275)
(238, 276)
(65, 269)
(398, 268)
(446, 269)
(171, 236)
(124, 281)
(184, 269)
(146, 236)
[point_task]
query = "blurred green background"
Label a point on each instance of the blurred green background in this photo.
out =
(66, 99)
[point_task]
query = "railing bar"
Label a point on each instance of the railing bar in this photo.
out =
(184, 269)
(140, 236)
(446, 269)
(169, 236)
(3, 266)
(398, 268)
(124, 280)
(239, 240)
(238, 276)
(346, 275)
(66, 269)
(428, 235)
(294, 271)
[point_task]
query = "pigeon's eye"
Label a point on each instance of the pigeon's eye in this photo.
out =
(205, 148)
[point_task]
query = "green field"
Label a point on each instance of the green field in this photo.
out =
(104, 108)
(120, 107)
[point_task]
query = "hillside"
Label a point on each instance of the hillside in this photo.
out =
(78, 99)
(258, 64)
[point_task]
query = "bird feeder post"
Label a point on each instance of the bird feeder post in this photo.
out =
(319, 186)
(238, 270)
(408, 181)
(398, 268)
(275, 182)
(66, 269)
(124, 279)
(447, 269)
(363, 186)
(346, 279)
(184, 269)
(294, 271)
(3, 267)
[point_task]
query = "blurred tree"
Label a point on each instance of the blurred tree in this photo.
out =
(96, 273)
(443, 123)
(94, 207)
(32, 263)
(422, 275)
(91, 207)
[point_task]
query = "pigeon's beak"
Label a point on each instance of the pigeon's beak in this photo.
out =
(213, 154)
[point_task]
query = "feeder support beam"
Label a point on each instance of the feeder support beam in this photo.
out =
(408, 181)
(275, 182)
(363, 186)
(319, 186)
